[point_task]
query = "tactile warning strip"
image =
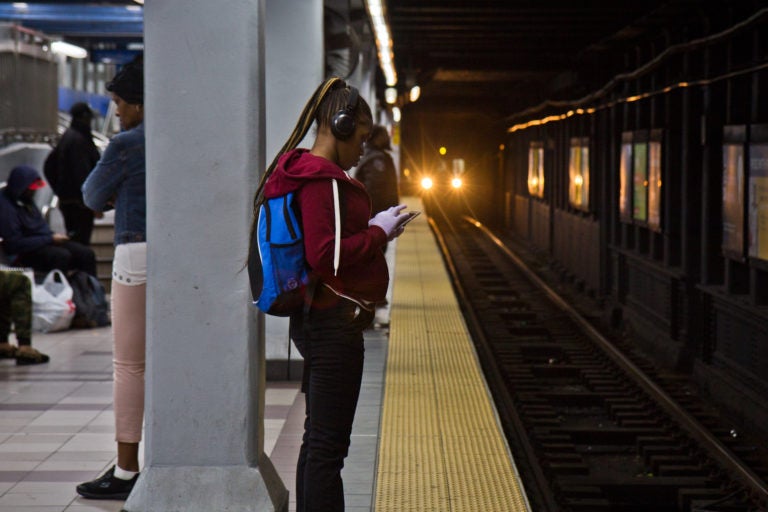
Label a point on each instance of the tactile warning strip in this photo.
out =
(441, 446)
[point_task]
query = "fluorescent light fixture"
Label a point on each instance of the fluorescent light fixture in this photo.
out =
(396, 115)
(376, 11)
(390, 95)
(415, 93)
(21, 6)
(70, 50)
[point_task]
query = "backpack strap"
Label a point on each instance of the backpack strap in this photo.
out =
(337, 216)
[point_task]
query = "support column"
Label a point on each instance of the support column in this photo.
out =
(294, 69)
(204, 100)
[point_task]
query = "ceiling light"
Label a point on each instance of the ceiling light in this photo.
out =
(383, 40)
(70, 50)
(415, 93)
(390, 95)
(396, 115)
(21, 6)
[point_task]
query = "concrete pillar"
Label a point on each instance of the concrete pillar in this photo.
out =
(294, 68)
(204, 76)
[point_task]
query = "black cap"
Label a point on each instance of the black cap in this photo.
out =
(129, 82)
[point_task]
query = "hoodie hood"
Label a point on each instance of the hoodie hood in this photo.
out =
(297, 166)
(21, 177)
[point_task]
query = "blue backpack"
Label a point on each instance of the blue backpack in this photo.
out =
(278, 271)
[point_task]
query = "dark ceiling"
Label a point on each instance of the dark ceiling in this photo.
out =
(502, 56)
(496, 57)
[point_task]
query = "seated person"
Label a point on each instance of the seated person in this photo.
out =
(27, 239)
(16, 309)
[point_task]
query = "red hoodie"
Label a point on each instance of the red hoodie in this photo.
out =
(362, 274)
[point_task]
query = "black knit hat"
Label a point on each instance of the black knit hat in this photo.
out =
(81, 110)
(129, 82)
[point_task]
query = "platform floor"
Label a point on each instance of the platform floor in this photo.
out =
(57, 425)
(426, 439)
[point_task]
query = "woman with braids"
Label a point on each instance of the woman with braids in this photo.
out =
(351, 278)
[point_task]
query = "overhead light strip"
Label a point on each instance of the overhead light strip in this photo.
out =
(69, 50)
(376, 11)
(630, 99)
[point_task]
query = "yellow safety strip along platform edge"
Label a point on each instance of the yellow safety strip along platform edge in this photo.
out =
(441, 446)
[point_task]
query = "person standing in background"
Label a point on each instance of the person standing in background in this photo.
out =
(120, 179)
(75, 157)
(377, 172)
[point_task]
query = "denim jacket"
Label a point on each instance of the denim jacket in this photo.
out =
(119, 180)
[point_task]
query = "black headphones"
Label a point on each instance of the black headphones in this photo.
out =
(343, 122)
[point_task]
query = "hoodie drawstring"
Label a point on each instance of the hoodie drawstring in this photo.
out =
(337, 215)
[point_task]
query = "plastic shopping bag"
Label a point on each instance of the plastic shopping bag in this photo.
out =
(52, 306)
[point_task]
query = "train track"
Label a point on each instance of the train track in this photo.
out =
(593, 426)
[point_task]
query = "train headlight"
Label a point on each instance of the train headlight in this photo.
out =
(456, 183)
(426, 183)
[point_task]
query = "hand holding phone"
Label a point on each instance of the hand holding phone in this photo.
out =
(411, 215)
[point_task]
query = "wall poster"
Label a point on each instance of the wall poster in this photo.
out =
(654, 186)
(733, 198)
(578, 174)
(758, 201)
(625, 181)
(640, 181)
(536, 169)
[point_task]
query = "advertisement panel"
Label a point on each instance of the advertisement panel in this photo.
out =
(640, 181)
(758, 201)
(733, 199)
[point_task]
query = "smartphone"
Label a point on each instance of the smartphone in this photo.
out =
(411, 215)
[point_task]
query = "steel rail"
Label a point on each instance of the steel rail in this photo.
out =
(714, 447)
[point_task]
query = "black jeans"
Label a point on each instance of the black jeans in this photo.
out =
(64, 256)
(331, 342)
(79, 222)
